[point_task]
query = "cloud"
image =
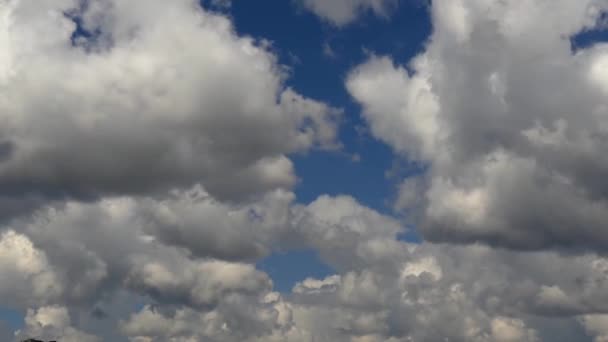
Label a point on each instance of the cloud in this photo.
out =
(267, 319)
(100, 256)
(343, 12)
(145, 169)
(484, 294)
(103, 255)
(144, 97)
(508, 122)
(85, 249)
(76, 253)
(596, 326)
(207, 227)
(25, 270)
(52, 323)
(346, 234)
(511, 330)
(198, 284)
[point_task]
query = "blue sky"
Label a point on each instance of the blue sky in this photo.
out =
(299, 39)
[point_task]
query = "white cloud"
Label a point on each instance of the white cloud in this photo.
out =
(383, 289)
(401, 110)
(199, 284)
(511, 330)
(52, 323)
(346, 234)
(207, 227)
(597, 326)
(510, 122)
(162, 95)
(267, 319)
(171, 136)
(87, 249)
(26, 274)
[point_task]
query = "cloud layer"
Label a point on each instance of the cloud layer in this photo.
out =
(384, 289)
(144, 170)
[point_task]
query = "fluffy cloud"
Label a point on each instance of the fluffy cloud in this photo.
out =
(52, 323)
(91, 257)
(26, 274)
(346, 234)
(143, 97)
(267, 319)
(511, 330)
(460, 293)
(486, 294)
(207, 227)
(343, 12)
(384, 289)
(596, 326)
(209, 283)
(83, 250)
(150, 144)
(508, 120)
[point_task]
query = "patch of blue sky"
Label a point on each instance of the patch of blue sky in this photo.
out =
(12, 318)
(287, 268)
(590, 37)
(319, 57)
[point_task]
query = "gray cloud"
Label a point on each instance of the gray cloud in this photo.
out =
(207, 227)
(26, 273)
(161, 96)
(485, 294)
(52, 323)
(596, 326)
(98, 255)
(146, 171)
(384, 289)
(509, 120)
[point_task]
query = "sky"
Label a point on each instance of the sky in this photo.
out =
(304, 170)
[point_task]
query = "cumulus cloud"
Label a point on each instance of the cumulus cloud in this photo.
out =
(91, 257)
(207, 227)
(343, 12)
(143, 97)
(26, 274)
(144, 171)
(76, 253)
(52, 323)
(209, 283)
(383, 289)
(267, 319)
(81, 250)
(597, 325)
(509, 122)
(346, 234)
(460, 293)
